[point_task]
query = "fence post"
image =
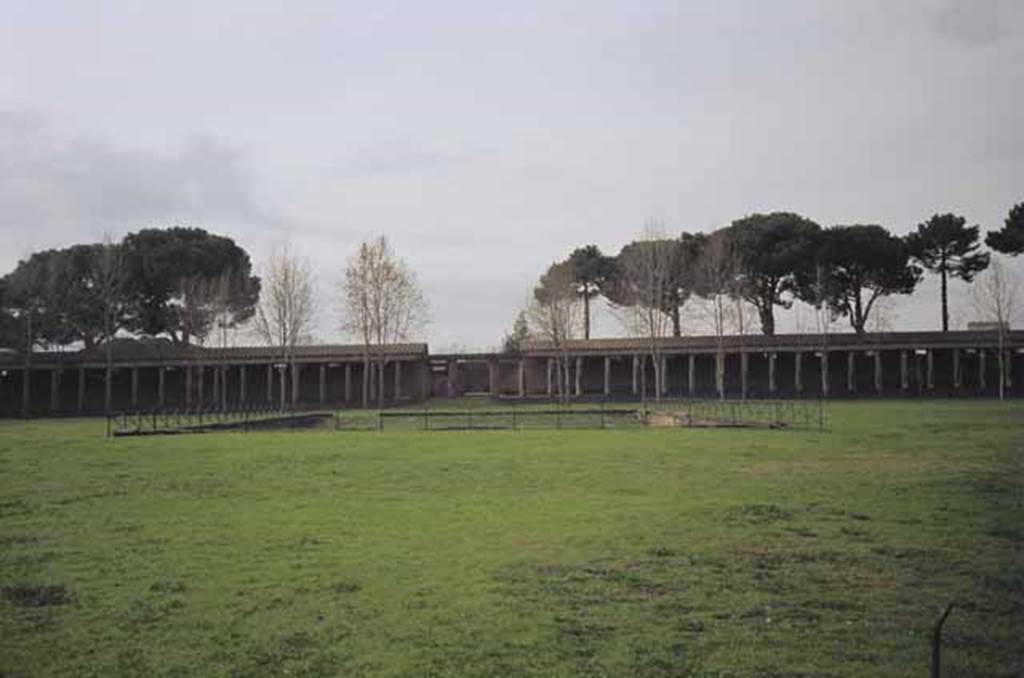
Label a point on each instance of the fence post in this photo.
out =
(936, 671)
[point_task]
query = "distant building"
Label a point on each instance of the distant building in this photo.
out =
(987, 326)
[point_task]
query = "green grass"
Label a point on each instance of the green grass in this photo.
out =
(631, 552)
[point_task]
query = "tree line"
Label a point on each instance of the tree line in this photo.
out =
(192, 287)
(184, 284)
(769, 261)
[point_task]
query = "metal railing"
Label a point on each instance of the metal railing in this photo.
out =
(687, 413)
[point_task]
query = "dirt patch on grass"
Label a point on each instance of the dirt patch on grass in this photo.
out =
(36, 595)
(871, 464)
(758, 514)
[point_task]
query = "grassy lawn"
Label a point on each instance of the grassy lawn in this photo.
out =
(628, 552)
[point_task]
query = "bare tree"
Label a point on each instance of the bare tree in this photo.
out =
(885, 313)
(995, 295)
(556, 315)
(381, 304)
(718, 274)
(286, 308)
(645, 282)
(111, 278)
(208, 305)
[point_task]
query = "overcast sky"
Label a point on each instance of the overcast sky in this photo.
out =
(488, 139)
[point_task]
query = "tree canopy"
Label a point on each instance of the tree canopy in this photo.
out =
(946, 245)
(592, 272)
(179, 282)
(654, 273)
(1009, 239)
(773, 249)
(860, 264)
(62, 291)
(170, 282)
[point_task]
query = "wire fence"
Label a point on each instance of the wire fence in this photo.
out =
(193, 420)
(687, 413)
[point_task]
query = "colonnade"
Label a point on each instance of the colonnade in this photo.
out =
(780, 367)
(827, 373)
(69, 389)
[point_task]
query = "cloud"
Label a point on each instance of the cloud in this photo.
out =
(59, 186)
(977, 24)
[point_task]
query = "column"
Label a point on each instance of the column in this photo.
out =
(579, 374)
(522, 378)
(798, 377)
(720, 374)
(664, 375)
(243, 385)
(643, 375)
(492, 376)
(904, 375)
(426, 379)
(824, 373)
(772, 385)
(930, 362)
(398, 379)
(744, 367)
(917, 372)
(348, 382)
(323, 383)
(225, 372)
(982, 380)
(879, 383)
(160, 371)
(550, 385)
(26, 392)
(956, 369)
(270, 384)
(691, 373)
(374, 373)
(636, 370)
(281, 376)
(54, 390)
(296, 377)
(453, 378)
(851, 371)
(1008, 363)
(200, 370)
(216, 387)
(607, 375)
(108, 391)
(135, 387)
(81, 389)
(188, 387)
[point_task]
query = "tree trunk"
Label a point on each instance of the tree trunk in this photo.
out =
(586, 314)
(656, 359)
(945, 308)
(380, 386)
(677, 329)
(366, 382)
(767, 314)
(857, 317)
